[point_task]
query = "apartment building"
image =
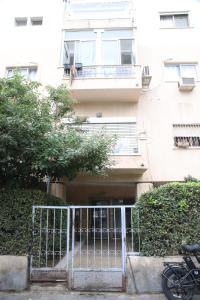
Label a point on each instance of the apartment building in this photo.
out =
(133, 66)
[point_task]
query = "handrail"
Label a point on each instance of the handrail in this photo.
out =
(106, 71)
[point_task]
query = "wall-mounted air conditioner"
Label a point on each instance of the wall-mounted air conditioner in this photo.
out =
(186, 83)
(146, 77)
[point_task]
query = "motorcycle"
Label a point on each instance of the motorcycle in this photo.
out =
(179, 279)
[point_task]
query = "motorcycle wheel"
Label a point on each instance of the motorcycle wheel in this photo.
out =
(171, 287)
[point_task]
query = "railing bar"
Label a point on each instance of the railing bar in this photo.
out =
(123, 237)
(132, 230)
(87, 238)
(47, 236)
(94, 220)
(81, 206)
(101, 237)
(139, 241)
(73, 219)
(115, 235)
(68, 235)
(108, 237)
(54, 217)
(33, 234)
(80, 255)
(61, 233)
(40, 243)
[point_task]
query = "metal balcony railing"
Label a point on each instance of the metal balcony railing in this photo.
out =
(116, 71)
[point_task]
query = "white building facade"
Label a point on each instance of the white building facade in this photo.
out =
(133, 66)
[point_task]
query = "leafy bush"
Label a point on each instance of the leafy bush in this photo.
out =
(169, 217)
(16, 218)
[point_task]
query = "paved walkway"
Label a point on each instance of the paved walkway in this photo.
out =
(75, 296)
(48, 295)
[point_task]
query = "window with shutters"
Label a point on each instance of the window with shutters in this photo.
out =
(186, 135)
(125, 133)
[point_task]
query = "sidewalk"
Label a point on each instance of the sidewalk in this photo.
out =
(42, 295)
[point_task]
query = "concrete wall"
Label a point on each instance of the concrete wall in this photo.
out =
(144, 274)
(13, 272)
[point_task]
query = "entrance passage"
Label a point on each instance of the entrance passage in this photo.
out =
(84, 245)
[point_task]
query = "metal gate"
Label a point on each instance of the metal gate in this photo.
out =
(50, 243)
(98, 247)
(84, 245)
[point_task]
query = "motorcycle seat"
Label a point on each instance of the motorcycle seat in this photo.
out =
(194, 248)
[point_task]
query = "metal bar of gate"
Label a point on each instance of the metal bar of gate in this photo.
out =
(73, 232)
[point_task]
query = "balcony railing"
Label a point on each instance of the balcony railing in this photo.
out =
(117, 71)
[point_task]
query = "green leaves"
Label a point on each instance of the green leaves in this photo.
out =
(169, 216)
(16, 218)
(34, 142)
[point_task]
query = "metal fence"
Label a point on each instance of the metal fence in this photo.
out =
(85, 238)
(106, 71)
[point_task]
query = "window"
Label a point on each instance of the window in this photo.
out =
(173, 72)
(126, 52)
(98, 9)
(125, 132)
(27, 72)
(20, 21)
(186, 135)
(117, 47)
(36, 21)
(174, 20)
(80, 51)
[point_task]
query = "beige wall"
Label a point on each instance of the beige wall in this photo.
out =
(157, 108)
(32, 45)
(164, 104)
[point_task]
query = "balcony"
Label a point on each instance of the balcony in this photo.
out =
(129, 164)
(105, 83)
(125, 155)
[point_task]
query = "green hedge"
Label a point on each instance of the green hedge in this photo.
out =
(169, 217)
(16, 218)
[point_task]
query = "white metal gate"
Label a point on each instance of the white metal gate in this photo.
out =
(86, 245)
(98, 247)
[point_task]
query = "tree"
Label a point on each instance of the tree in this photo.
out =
(35, 143)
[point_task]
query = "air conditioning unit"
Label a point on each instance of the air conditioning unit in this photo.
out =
(146, 77)
(186, 83)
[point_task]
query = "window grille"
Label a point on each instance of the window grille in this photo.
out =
(186, 135)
